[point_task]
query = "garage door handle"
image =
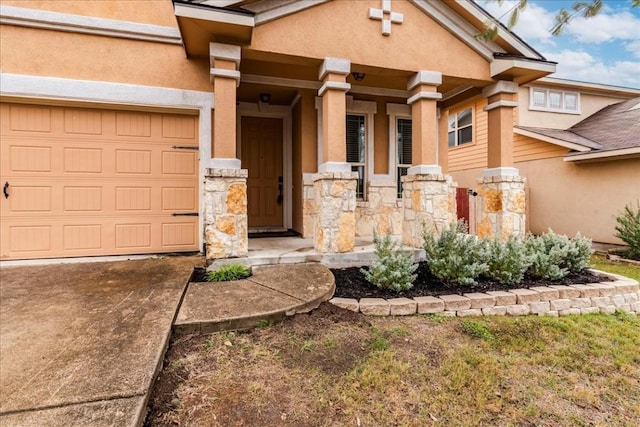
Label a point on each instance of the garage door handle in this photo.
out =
(4, 190)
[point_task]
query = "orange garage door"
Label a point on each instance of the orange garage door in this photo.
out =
(80, 182)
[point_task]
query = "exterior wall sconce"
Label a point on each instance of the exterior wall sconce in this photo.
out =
(265, 97)
(358, 76)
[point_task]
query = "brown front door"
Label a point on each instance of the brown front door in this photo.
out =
(262, 156)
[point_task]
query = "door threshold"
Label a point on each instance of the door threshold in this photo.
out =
(257, 232)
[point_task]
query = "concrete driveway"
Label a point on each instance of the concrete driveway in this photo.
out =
(80, 344)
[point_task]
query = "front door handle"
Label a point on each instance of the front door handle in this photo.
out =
(279, 190)
(5, 188)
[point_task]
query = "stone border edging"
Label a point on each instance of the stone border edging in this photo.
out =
(617, 293)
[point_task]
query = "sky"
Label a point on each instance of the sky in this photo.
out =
(603, 49)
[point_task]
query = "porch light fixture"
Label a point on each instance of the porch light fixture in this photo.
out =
(265, 97)
(358, 76)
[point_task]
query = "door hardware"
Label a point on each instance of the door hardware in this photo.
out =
(5, 188)
(279, 190)
(184, 147)
(185, 214)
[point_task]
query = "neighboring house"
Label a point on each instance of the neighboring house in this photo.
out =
(157, 126)
(578, 144)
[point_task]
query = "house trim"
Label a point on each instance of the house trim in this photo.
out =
(33, 18)
(246, 109)
(42, 89)
(631, 152)
(551, 140)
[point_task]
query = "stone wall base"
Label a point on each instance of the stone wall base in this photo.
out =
(501, 207)
(382, 211)
(225, 213)
(428, 202)
(335, 204)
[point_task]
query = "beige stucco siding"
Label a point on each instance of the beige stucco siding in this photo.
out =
(327, 30)
(589, 104)
(571, 198)
(156, 12)
(88, 57)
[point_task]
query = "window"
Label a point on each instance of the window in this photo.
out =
(403, 151)
(461, 128)
(356, 137)
(554, 100)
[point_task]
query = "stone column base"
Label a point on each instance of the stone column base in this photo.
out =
(500, 210)
(428, 202)
(225, 213)
(335, 203)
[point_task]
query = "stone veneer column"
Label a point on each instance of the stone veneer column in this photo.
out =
(335, 218)
(501, 206)
(225, 213)
(335, 184)
(428, 202)
(500, 210)
(427, 197)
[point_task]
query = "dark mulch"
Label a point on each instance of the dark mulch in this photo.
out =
(350, 283)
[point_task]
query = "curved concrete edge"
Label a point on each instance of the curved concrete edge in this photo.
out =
(300, 288)
(616, 292)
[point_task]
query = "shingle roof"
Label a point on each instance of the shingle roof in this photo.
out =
(612, 128)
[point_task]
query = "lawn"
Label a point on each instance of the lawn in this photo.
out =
(337, 368)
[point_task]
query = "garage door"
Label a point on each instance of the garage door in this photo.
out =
(81, 182)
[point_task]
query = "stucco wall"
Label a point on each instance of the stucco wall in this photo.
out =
(589, 104)
(571, 198)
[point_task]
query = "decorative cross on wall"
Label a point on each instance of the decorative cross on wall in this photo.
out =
(386, 16)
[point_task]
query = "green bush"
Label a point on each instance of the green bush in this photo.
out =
(391, 269)
(227, 272)
(455, 257)
(555, 255)
(507, 262)
(628, 230)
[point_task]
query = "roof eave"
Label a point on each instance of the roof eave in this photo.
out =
(603, 155)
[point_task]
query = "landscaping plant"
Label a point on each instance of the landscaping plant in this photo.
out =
(555, 255)
(227, 272)
(455, 257)
(628, 230)
(507, 262)
(392, 269)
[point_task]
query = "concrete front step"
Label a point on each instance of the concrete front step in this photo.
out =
(270, 294)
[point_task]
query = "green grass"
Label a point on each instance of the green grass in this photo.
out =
(599, 262)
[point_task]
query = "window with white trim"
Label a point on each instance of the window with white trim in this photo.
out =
(460, 127)
(554, 100)
(356, 137)
(403, 150)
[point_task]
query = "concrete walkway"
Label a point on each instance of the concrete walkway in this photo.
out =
(81, 344)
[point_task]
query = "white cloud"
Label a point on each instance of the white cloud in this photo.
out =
(634, 48)
(534, 22)
(581, 66)
(605, 27)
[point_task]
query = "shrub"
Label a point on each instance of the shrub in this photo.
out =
(507, 262)
(555, 255)
(456, 257)
(391, 269)
(227, 272)
(628, 230)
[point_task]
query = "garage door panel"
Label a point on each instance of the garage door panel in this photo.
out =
(96, 182)
(133, 235)
(23, 158)
(82, 237)
(178, 234)
(179, 163)
(133, 162)
(30, 238)
(133, 124)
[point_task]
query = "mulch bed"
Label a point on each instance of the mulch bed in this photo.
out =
(350, 283)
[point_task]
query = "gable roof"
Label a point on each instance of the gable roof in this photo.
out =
(611, 132)
(462, 18)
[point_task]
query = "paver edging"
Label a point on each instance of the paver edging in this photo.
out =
(615, 292)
